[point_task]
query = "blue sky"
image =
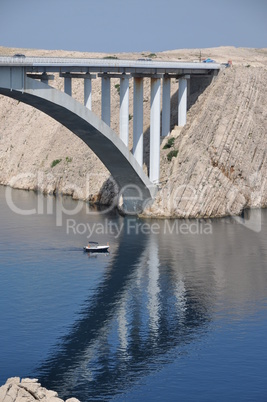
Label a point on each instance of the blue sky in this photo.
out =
(138, 25)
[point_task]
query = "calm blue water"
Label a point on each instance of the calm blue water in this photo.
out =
(168, 315)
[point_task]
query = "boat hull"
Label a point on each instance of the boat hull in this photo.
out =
(99, 249)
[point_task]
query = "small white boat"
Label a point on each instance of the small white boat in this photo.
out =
(94, 247)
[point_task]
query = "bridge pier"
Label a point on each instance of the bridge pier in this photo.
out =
(166, 106)
(88, 90)
(184, 85)
(45, 78)
(105, 99)
(138, 120)
(87, 77)
(124, 108)
(182, 100)
(88, 93)
(154, 160)
(67, 84)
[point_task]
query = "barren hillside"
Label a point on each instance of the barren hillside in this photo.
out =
(221, 164)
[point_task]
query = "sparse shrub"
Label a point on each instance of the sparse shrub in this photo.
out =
(118, 87)
(130, 117)
(172, 154)
(111, 57)
(55, 162)
(170, 143)
(68, 159)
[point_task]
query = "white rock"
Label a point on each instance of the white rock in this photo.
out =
(28, 390)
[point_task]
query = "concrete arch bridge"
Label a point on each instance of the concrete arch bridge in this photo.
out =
(27, 80)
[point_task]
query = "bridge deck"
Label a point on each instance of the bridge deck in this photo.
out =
(59, 64)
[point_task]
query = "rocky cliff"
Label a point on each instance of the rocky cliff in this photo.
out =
(219, 161)
(221, 165)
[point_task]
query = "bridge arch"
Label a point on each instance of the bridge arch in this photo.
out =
(99, 137)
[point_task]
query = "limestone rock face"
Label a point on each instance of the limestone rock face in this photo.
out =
(221, 165)
(28, 390)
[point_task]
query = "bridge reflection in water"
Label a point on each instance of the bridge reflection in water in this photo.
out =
(140, 313)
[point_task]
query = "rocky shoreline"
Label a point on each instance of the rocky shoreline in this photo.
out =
(28, 390)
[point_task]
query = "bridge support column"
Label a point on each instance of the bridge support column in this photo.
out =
(88, 93)
(105, 101)
(166, 106)
(182, 100)
(154, 131)
(138, 120)
(124, 109)
(67, 85)
(45, 78)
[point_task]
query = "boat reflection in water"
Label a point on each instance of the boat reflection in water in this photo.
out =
(161, 296)
(142, 310)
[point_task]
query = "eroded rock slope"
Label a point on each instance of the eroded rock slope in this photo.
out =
(221, 166)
